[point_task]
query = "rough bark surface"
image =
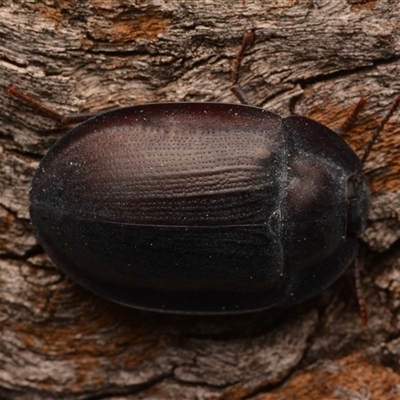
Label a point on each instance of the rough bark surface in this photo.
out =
(314, 58)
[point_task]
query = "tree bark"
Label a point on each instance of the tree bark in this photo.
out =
(314, 58)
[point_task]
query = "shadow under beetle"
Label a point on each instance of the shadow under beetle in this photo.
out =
(200, 207)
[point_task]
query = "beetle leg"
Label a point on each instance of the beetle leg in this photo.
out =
(48, 111)
(352, 118)
(236, 89)
(362, 304)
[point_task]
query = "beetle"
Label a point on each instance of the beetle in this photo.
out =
(200, 208)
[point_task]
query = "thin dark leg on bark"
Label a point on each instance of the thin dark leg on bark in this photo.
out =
(362, 304)
(378, 130)
(352, 118)
(236, 89)
(48, 111)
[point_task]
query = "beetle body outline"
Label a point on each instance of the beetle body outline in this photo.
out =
(125, 188)
(181, 246)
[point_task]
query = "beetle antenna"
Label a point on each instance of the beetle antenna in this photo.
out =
(395, 105)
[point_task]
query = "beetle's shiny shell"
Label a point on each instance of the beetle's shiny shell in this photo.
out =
(197, 207)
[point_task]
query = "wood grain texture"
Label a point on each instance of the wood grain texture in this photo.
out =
(314, 58)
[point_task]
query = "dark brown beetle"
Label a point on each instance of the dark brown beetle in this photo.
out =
(200, 207)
